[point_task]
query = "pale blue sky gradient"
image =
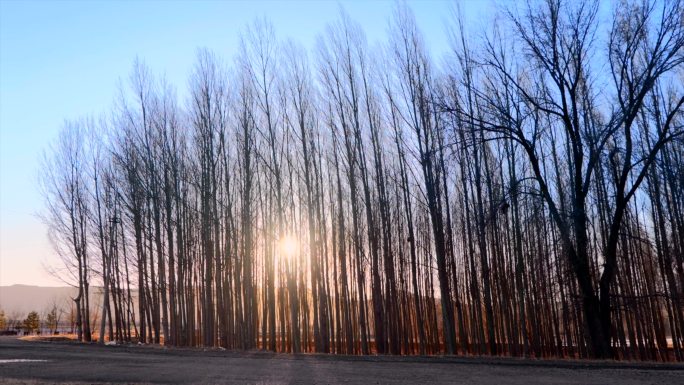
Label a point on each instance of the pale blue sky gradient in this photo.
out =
(64, 60)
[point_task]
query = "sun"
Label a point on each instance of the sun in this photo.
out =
(288, 246)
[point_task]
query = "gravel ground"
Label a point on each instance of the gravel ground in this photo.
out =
(34, 362)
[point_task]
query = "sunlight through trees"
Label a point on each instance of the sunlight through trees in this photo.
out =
(522, 196)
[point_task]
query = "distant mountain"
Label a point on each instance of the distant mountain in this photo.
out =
(18, 300)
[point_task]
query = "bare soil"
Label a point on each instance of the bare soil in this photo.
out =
(76, 363)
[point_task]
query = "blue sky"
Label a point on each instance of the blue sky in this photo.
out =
(64, 60)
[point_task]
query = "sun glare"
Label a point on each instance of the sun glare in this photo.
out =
(288, 246)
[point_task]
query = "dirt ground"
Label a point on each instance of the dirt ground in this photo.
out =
(35, 362)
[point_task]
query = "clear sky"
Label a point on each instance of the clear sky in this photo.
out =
(64, 60)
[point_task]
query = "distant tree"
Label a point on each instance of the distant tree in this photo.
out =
(14, 321)
(72, 318)
(3, 320)
(32, 322)
(52, 319)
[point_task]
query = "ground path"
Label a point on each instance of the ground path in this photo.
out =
(31, 362)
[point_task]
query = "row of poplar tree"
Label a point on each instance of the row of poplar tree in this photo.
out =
(525, 197)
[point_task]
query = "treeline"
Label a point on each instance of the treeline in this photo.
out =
(48, 321)
(525, 197)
